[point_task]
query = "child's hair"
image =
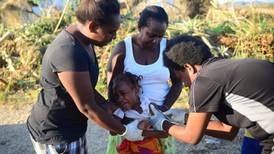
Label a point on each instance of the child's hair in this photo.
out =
(129, 78)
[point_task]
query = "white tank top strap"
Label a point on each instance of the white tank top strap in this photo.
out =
(129, 51)
(162, 49)
(129, 58)
(162, 45)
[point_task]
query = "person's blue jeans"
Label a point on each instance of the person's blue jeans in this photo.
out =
(251, 146)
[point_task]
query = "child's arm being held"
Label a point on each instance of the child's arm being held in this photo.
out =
(149, 132)
(118, 118)
(154, 133)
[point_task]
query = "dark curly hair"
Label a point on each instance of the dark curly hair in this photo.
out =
(131, 79)
(99, 11)
(155, 12)
(186, 49)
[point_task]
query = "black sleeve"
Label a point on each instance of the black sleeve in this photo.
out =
(68, 58)
(205, 95)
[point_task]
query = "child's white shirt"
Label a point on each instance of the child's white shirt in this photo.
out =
(133, 114)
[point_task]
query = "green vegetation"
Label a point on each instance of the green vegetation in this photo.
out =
(227, 31)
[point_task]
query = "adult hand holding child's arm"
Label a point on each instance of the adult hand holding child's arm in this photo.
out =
(157, 119)
(148, 130)
(177, 115)
(132, 132)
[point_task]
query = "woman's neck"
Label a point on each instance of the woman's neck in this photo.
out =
(79, 31)
(141, 45)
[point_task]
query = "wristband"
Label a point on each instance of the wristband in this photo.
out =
(124, 133)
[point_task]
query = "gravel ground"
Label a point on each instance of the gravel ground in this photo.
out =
(15, 139)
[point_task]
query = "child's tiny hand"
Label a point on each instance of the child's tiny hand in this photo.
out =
(144, 125)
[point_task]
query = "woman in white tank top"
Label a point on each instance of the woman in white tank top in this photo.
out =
(142, 55)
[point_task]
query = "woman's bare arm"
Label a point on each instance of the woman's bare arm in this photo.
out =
(115, 63)
(115, 66)
(174, 91)
(79, 87)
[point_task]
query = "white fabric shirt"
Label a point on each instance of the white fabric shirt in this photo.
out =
(154, 83)
(133, 114)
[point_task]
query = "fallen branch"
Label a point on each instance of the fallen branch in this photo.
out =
(6, 35)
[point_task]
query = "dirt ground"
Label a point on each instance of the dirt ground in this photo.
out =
(15, 139)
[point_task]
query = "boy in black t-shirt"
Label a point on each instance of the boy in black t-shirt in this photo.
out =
(240, 93)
